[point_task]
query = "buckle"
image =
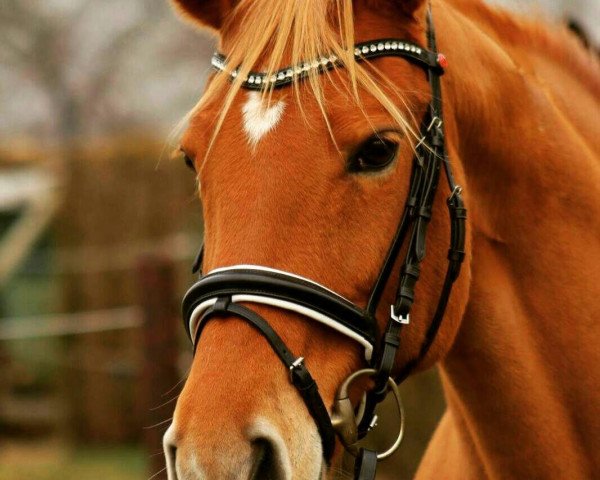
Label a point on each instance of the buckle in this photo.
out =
(373, 422)
(345, 421)
(435, 122)
(457, 190)
(297, 363)
(403, 319)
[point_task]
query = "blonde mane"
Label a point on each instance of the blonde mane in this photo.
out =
(269, 34)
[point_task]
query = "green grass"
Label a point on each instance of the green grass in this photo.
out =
(54, 462)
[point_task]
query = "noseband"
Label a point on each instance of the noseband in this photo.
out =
(221, 292)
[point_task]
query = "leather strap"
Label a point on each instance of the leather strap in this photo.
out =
(279, 285)
(197, 264)
(365, 467)
(300, 376)
(397, 241)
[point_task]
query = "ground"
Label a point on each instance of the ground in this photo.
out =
(54, 461)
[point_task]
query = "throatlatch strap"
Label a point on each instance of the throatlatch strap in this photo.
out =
(300, 376)
(456, 255)
(428, 161)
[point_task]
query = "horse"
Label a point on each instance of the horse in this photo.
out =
(305, 174)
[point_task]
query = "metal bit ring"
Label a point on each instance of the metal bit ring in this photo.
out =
(345, 421)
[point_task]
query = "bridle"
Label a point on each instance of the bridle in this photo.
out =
(221, 292)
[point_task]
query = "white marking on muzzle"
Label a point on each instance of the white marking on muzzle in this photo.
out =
(259, 120)
(180, 468)
(169, 449)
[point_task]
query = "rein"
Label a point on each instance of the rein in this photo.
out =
(220, 292)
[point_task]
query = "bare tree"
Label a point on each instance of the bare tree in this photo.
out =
(75, 54)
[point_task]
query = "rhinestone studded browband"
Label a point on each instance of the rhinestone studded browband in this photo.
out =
(362, 51)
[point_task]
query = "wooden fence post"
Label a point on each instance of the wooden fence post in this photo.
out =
(160, 375)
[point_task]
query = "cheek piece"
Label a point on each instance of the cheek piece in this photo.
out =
(220, 293)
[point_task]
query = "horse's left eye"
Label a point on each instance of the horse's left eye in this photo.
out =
(180, 154)
(374, 154)
(189, 162)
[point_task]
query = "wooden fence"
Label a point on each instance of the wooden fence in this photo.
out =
(123, 198)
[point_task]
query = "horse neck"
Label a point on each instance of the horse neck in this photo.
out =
(521, 375)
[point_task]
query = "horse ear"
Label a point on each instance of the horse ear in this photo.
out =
(209, 14)
(412, 8)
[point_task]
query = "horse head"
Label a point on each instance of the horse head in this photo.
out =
(315, 149)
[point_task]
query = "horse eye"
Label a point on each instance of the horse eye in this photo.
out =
(374, 154)
(179, 154)
(189, 162)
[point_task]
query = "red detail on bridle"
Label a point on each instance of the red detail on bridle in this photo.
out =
(442, 60)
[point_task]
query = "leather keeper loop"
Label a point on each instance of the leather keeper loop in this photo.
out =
(221, 305)
(456, 255)
(412, 270)
(402, 306)
(411, 202)
(424, 212)
(392, 339)
(408, 293)
(302, 379)
(459, 212)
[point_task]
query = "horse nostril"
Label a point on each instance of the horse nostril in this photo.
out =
(265, 465)
(171, 462)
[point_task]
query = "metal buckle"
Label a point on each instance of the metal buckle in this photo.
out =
(299, 361)
(403, 319)
(457, 190)
(436, 122)
(373, 423)
(345, 422)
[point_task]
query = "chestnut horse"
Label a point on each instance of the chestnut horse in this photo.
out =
(292, 179)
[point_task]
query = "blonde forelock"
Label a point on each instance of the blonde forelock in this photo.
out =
(270, 33)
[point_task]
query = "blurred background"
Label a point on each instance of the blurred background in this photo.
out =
(98, 229)
(92, 212)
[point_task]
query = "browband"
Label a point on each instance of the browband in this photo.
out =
(388, 47)
(269, 286)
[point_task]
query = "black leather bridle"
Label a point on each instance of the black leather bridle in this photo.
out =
(221, 292)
